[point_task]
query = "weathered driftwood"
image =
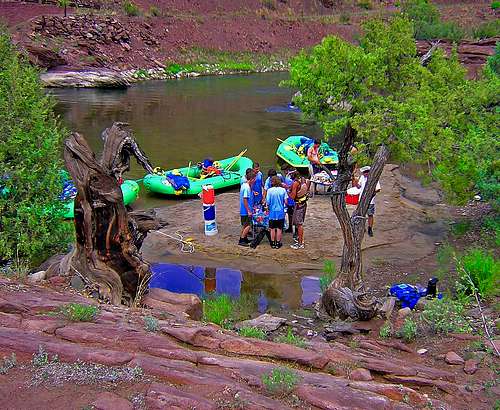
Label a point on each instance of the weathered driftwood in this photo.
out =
(346, 297)
(108, 239)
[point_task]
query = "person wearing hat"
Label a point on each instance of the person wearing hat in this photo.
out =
(365, 171)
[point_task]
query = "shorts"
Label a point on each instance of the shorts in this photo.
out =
(246, 220)
(371, 210)
(299, 214)
(289, 209)
(276, 223)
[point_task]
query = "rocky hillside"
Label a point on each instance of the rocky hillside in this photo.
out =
(153, 33)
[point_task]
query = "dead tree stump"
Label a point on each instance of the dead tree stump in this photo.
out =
(106, 255)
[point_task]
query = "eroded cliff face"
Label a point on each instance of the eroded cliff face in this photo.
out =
(99, 34)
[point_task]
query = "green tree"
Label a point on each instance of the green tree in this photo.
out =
(65, 4)
(381, 98)
(30, 140)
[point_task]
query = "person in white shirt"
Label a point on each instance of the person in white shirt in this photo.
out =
(365, 171)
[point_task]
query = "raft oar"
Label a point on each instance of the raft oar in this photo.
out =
(235, 160)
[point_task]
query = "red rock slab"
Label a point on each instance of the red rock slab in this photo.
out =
(46, 325)
(165, 397)
(255, 347)
(111, 401)
(29, 342)
(433, 373)
(174, 303)
(447, 387)
(391, 391)
(338, 398)
(208, 337)
(10, 320)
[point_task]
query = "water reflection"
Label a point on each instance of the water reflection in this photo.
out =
(271, 290)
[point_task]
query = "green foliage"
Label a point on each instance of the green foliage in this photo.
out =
(254, 332)
(151, 324)
(365, 4)
(494, 61)
(41, 358)
(495, 5)
(329, 274)
(130, 8)
(487, 30)
(291, 339)
(77, 312)
(491, 228)
(460, 228)
(385, 331)
(155, 11)
(281, 380)
(269, 4)
(345, 18)
(8, 363)
(482, 269)
(427, 22)
(141, 74)
(409, 330)
(445, 315)
(218, 310)
(31, 223)
(173, 69)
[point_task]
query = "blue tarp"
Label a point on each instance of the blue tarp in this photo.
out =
(178, 181)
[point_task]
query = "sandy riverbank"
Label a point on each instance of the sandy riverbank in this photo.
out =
(405, 232)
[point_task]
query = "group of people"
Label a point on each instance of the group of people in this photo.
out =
(285, 195)
(282, 195)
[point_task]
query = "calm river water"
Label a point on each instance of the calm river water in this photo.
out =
(177, 121)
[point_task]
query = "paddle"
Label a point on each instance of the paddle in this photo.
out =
(235, 160)
(189, 169)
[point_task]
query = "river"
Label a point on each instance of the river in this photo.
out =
(178, 121)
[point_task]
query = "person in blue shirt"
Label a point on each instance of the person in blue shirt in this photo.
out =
(258, 184)
(271, 173)
(246, 201)
(290, 203)
(275, 200)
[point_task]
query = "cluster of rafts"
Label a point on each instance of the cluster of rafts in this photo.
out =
(188, 181)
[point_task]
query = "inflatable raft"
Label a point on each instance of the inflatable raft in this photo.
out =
(293, 150)
(130, 191)
(190, 181)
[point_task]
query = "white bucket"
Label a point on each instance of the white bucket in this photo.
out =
(211, 228)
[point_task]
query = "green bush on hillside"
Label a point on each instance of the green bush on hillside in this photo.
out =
(487, 30)
(130, 8)
(480, 267)
(31, 222)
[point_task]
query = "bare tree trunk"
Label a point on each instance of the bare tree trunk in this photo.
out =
(106, 253)
(345, 297)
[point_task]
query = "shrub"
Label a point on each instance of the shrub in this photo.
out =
(445, 315)
(495, 5)
(173, 69)
(345, 18)
(31, 223)
(365, 4)
(482, 269)
(254, 332)
(460, 228)
(41, 358)
(218, 310)
(130, 8)
(427, 22)
(8, 363)
(281, 380)
(269, 4)
(154, 11)
(385, 331)
(77, 312)
(329, 273)
(409, 330)
(487, 30)
(291, 339)
(151, 324)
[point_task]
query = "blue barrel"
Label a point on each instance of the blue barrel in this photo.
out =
(208, 212)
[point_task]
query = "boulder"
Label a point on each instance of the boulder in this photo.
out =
(82, 79)
(387, 307)
(453, 358)
(174, 303)
(470, 366)
(361, 374)
(111, 401)
(265, 322)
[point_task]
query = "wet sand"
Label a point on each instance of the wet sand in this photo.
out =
(407, 229)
